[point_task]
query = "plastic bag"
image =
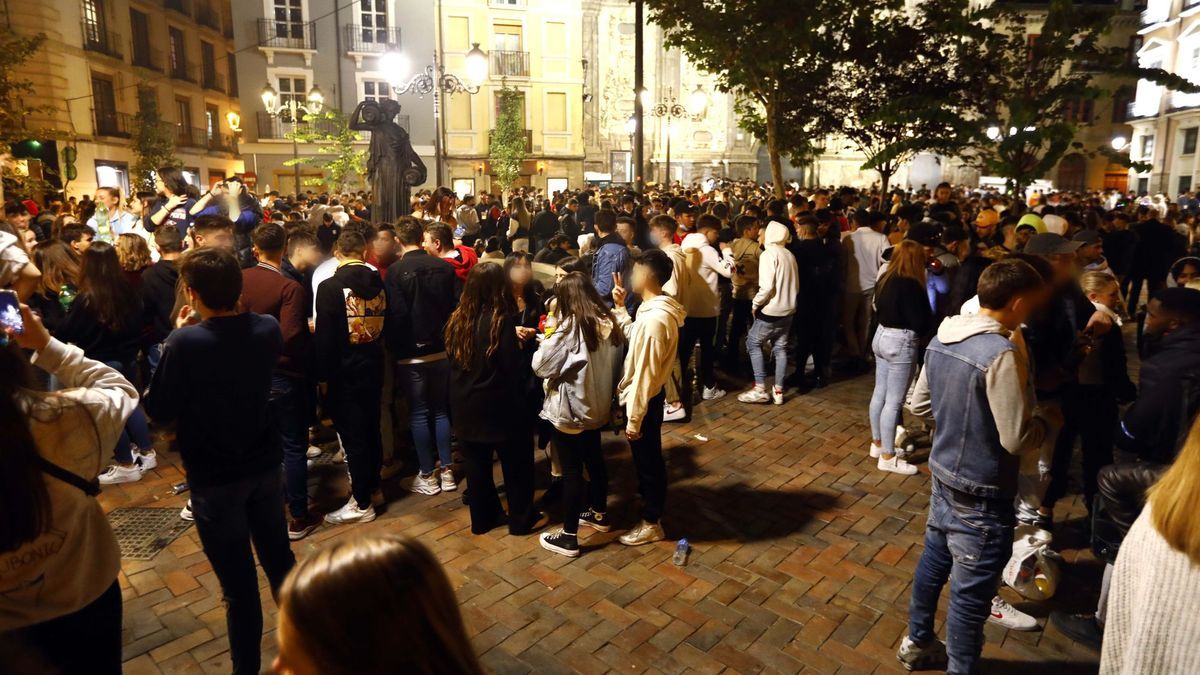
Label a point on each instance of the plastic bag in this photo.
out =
(1033, 569)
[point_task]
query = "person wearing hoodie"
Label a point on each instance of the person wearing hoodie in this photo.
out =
(746, 250)
(973, 386)
(703, 303)
(580, 363)
(439, 243)
(653, 342)
(350, 314)
(662, 235)
(773, 307)
(611, 260)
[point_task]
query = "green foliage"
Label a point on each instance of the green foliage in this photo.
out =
(344, 164)
(15, 90)
(153, 141)
(506, 150)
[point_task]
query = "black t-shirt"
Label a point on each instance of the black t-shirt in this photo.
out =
(902, 303)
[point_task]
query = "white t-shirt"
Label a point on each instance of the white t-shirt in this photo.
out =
(869, 246)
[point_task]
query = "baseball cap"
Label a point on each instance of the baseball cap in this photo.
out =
(1087, 237)
(1048, 243)
(953, 233)
(925, 233)
(987, 218)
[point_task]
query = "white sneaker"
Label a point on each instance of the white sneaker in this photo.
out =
(777, 395)
(896, 465)
(674, 414)
(120, 474)
(755, 395)
(901, 436)
(876, 450)
(425, 484)
(186, 512)
(1004, 614)
(350, 513)
(447, 481)
(145, 461)
(712, 394)
(313, 452)
(643, 533)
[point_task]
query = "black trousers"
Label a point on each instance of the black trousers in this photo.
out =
(83, 642)
(228, 518)
(815, 326)
(516, 464)
(739, 324)
(1091, 415)
(702, 330)
(354, 408)
(725, 290)
(648, 461)
(574, 452)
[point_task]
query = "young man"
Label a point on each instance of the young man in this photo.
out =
(819, 261)
(439, 243)
(653, 344)
(384, 249)
(973, 385)
(772, 307)
(557, 248)
(265, 290)
(611, 260)
(214, 382)
(157, 291)
(703, 304)
(662, 235)
(78, 236)
(422, 293)
(864, 254)
(746, 251)
(349, 315)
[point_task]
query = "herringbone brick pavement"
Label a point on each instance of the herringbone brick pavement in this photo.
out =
(801, 562)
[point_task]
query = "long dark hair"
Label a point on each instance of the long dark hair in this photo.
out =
(59, 265)
(391, 587)
(173, 180)
(579, 301)
(24, 501)
(105, 288)
(487, 290)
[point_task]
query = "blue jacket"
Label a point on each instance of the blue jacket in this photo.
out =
(611, 256)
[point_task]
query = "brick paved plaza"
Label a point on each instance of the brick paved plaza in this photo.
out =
(802, 558)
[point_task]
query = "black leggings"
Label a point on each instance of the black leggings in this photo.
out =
(574, 452)
(86, 641)
(516, 463)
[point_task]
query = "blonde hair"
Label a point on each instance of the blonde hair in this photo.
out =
(1096, 282)
(133, 252)
(908, 260)
(1175, 499)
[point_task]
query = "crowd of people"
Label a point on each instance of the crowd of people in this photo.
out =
(514, 324)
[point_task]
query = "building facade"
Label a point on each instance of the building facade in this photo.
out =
(336, 46)
(98, 53)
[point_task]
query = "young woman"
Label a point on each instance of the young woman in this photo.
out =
(905, 323)
(393, 590)
(60, 272)
(62, 602)
(489, 373)
(518, 224)
(105, 320)
(176, 206)
(581, 364)
(134, 256)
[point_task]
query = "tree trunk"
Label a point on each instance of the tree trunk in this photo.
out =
(885, 178)
(773, 145)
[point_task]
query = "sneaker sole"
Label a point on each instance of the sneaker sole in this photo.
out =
(594, 526)
(426, 491)
(361, 519)
(191, 518)
(145, 465)
(641, 543)
(1023, 629)
(450, 488)
(297, 536)
(561, 551)
(120, 481)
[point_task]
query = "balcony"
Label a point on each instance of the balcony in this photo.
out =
(112, 124)
(145, 56)
(362, 40)
(182, 6)
(277, 128)
(510, 64)
(185, 72)
(220, 142)
(528, 140)
(191, 137)
(286, 35)
(100, 41)
(208, 16)
(214, 81)
(1181, 100)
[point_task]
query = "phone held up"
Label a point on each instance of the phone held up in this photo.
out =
(11, 321)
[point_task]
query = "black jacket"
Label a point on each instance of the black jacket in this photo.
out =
(1053, 338)
(158, 298)
(569, 225)
(351, 306)
(489, 396)
(421, 296)
(544, 225)
(82, 328)
(1158, 246)
(1154, 427)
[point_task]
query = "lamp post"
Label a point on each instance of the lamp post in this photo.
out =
(290, 110)
(436, 81)
(671, 109)
(633, 128)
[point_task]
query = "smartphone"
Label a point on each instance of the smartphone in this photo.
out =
(10, 312)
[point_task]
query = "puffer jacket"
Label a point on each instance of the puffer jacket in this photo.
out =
(579, 383)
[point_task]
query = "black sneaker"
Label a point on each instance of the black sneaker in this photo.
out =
(596, 521)
(1081, 628)
(561, 543)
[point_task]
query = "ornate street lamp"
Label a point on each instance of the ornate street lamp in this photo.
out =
(671, 109)
(289, 111)
(436, 81)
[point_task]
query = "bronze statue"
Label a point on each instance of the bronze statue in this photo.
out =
(393, 167)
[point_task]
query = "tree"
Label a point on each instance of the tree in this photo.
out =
(769, 53)
(15, 112)
(153, 140)
(342, 161)
(506, 149)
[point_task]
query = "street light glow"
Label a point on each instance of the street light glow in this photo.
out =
(1119, 143)
(698, 102)
(477, 64)
(993, 133)
(395, 67)
(269, 98)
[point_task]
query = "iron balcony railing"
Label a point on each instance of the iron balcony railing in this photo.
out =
(371, 40)
(528, 139)
(181, 6)
(112, 124)
(220, 143)
(207, 15)
(510, 64)
(146, 56)
(185, 72)
(277, 128)
(96, 39)
(286, 34)
(214, 81)
(191, 137)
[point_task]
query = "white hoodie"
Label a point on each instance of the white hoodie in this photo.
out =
(703, 261)
(652, 349)
(778, 276)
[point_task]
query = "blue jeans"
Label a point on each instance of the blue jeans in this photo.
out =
(968, 540)
(292, 405)
(137, 429)
(427, 386)
(895, 360)
(769, 331)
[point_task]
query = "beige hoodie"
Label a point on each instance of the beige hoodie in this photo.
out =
(653, 343)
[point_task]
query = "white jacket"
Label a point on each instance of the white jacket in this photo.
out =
(652, 349)
(703, 261)
(778, 275)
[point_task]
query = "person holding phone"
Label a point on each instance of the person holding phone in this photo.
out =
(174, 206)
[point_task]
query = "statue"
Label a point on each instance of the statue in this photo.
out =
(393, 167)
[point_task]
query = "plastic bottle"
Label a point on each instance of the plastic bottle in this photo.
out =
(103, 226)
(66, 296)
(681, 553)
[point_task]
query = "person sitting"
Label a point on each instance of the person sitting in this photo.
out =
(557, 248)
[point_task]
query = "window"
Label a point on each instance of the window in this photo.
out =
(556, 112)
(464, 187)
(209, 62)
(231, 66)
(113, 174)
(212, 122)
(183, 112)
(292, 89)
(376, 90)
(289, 19)
(1121, 100)
(556, 38)
(373, 14)
(1189, 140)
(93, 22)
(1147, 146)
(1079, 111)
(1143, 185)
(1185, 184)
(521, 106)
(458, 34)
(506, 38)
(139, 26)
(104, 98)
(178, 55)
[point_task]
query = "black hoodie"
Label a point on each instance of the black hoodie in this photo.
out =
(350, 311)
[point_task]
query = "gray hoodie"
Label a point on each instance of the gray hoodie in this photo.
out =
(579, 384)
